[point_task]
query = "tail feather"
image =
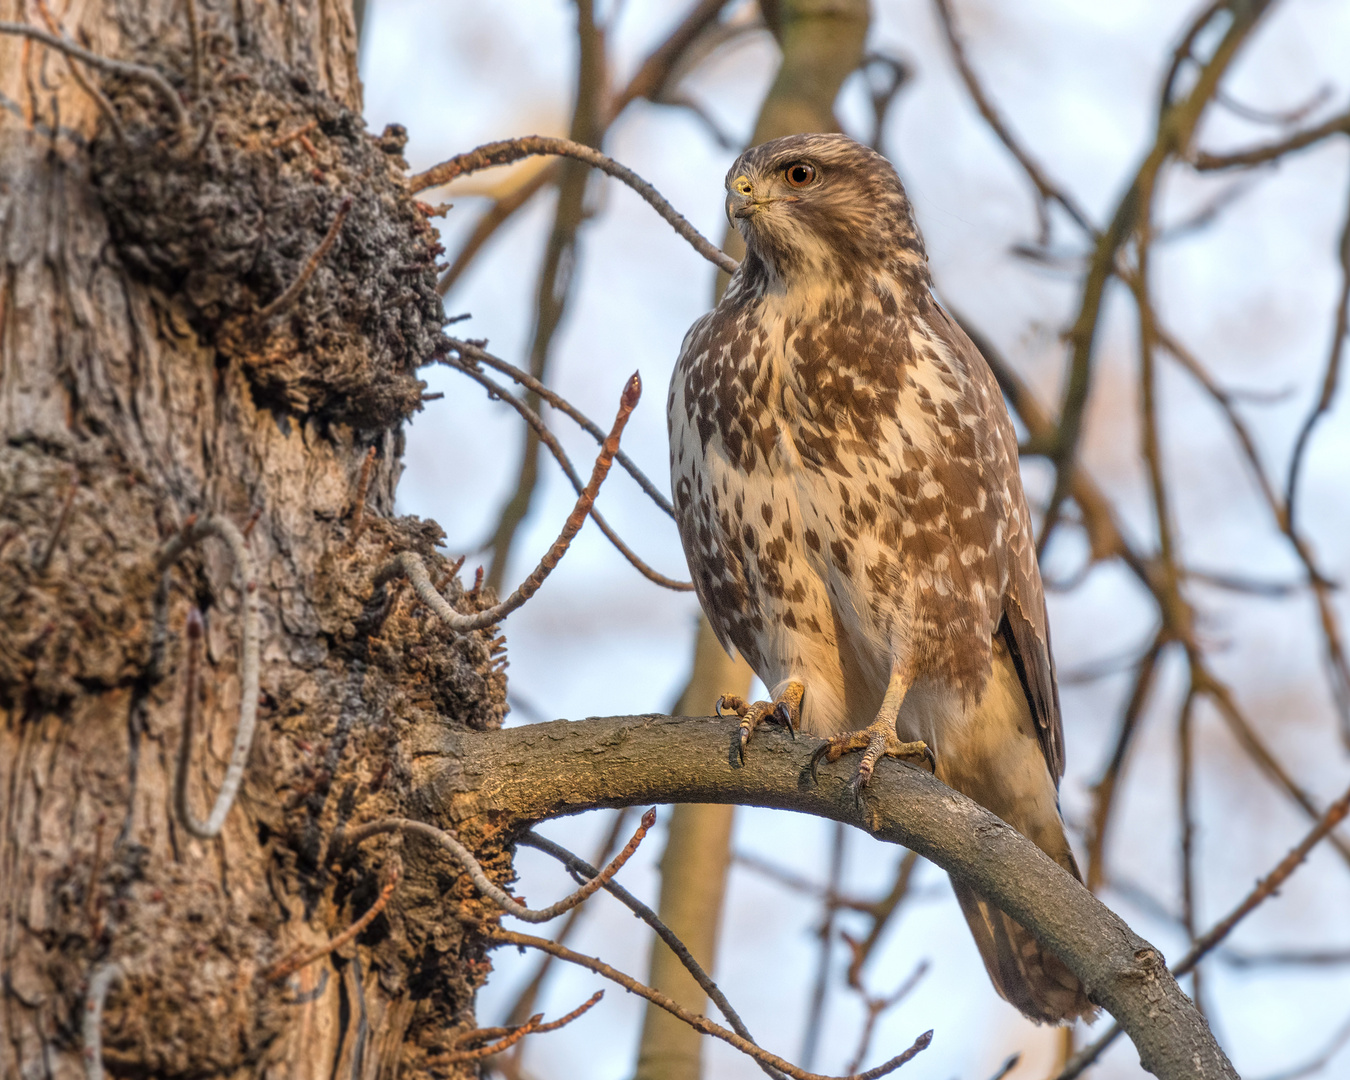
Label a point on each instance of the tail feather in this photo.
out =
(1024, 973)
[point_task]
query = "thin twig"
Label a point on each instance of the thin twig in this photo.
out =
(565, 463)
(411, 565)
(1176, 126)
(507, 151)
(195, 34)
(1046, 189)
(1009, 1065)
(44, 560)
(1339, 327)
(533, 1026)
(249, 650)
(282, 140)
(362, 490)
(350, 837)
(296, 287)
(697, 1022)
(584, 870)
(882, 912)
(473, 353)
(289, 965)
(875, 1006)
(815, 1014)
(101, 980)
(520, 1008)
(1268, 152)
(649, 81)
(105, 63)
(1265, 889)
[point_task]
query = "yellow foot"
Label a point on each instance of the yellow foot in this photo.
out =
(877, 741)
(787, 710)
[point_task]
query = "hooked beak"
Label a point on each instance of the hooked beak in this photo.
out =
(741, 201)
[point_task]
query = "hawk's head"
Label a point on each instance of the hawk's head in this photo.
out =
(811, 205)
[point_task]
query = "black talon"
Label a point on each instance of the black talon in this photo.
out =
(817, 754)
(783, 715)
(717, 707)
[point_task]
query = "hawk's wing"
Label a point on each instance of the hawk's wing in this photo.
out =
(1024, 626)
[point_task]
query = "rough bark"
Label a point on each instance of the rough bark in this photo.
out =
(517, 777)
(140, 386)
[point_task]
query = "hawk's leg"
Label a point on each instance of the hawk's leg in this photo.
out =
(786, 710)
(878, 739)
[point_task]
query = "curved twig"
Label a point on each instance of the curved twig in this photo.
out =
(582, 869)
(409, 564)
(1046, 189)
(174, 550)
(296, 287)
(124, 68)
(1265, 889)
(473, 353)
(507, 151)
(1269, 152)
(293, 963)
(565, 463)
(101, 980)
(350, 837)
(694, 1020)
(507, 1037)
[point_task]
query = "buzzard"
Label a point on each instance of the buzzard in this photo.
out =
(847, 492)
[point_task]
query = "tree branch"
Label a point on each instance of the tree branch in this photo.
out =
(524, 775)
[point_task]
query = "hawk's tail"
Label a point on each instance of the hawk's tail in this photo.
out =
(1027, 975)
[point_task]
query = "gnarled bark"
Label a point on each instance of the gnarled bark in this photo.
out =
(143, 380)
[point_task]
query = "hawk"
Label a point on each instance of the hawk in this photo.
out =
(847, 491)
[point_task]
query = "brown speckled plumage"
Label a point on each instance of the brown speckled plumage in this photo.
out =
(847, 490)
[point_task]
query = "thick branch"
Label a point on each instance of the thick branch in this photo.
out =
(523, 775)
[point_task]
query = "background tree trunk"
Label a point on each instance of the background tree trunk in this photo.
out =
(140, 386)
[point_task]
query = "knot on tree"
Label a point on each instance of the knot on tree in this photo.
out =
(287, 232)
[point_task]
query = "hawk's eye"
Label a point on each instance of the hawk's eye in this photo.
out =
(799, 174)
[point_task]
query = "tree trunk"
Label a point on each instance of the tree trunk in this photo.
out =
(145, 381)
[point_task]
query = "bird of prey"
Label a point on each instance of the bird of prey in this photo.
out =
(847, 491)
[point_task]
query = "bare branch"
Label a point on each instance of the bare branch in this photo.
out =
(699, 1023)
(583, 870)
(1046, 189)
(1264, 890)
(506, 151)
(347, 838)
(560, 455)
(1176, 126)
(533, 1026)
(302, 958)
(473, 353)
(409, 564)
(519, 776)
(1268, 152)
